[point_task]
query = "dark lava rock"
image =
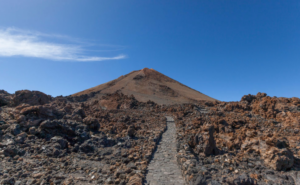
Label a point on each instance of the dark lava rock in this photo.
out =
(200, 180)
(131, 131)
(92, 123)
(49, 124)
(14, 129)
(31, 98)
(10, 151)
(87, 147)
(9, 181)
(62, 142)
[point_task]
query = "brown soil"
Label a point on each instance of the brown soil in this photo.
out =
(148, 84)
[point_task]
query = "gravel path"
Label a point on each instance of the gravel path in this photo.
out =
(163, 169)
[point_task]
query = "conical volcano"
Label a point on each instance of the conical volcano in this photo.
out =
(148, 84)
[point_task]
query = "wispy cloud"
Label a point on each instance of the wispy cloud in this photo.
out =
(16, 42)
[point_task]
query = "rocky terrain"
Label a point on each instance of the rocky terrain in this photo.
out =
(254, 141)
(48, 140)
(112, 138)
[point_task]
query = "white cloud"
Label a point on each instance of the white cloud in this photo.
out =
(15, 42)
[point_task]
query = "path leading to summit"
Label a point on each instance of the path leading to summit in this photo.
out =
(163, 168)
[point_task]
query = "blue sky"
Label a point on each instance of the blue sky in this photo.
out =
(224, 49)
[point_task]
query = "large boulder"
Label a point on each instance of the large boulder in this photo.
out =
(3, 101)
(92, 123)
(5, 98)
(41, 111)
(14, 129)
(135, 180)
(31, 98)
(78, 114)
(200, 180)
(87, 146)
(248, 98)
(274, 151)
(61, 141)
(278, 159)
(10, 151)
(260, 95)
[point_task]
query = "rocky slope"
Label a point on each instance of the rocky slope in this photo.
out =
(111, 139)
(254, 141)
(148, 84)
(60, 141)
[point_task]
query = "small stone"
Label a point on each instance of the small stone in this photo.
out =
(32, 130)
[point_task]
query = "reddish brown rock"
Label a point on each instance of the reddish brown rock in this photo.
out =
(135, 180)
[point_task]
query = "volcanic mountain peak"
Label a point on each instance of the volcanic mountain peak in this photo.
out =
(149, 84)
(153, 75)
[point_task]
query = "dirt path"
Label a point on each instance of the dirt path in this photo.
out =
(163, 168)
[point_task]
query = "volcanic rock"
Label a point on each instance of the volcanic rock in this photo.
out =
(92, 123)
(31, 98)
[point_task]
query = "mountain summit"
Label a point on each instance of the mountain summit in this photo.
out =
(148, 84)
